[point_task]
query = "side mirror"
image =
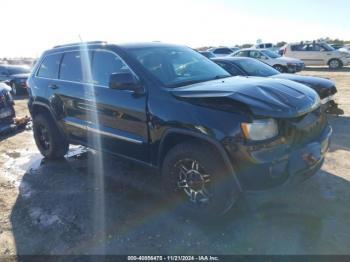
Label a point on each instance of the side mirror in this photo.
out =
(264, 57)
(124, 81)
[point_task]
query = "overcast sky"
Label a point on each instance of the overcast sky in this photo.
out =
(31, 26)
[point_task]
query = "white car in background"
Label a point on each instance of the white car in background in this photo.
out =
(220, 51)
(345, 48)
(317, 54)
(280, 63)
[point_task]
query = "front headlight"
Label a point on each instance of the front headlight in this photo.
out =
(260, 129)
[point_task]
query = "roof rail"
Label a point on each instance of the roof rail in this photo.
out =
(80, 43)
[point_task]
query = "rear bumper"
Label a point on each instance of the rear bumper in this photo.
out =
(267, 166)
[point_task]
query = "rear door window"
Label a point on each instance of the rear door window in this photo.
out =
(76, 66)
(255, 54)
(50, 66)
(242, 53)
(104, 64)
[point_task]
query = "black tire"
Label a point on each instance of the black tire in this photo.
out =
(335, 64)
(50, 142)
(222, 189)
(280, 68)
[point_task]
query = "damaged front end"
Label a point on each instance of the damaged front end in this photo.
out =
(296, 154)
(286, 134)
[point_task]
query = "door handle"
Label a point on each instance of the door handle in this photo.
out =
(53, 86)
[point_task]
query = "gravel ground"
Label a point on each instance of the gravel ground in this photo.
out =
(65, 207)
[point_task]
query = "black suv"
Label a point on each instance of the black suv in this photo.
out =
(16, 77)
(211, 136)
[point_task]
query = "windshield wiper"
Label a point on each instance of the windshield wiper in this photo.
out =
(186, 83)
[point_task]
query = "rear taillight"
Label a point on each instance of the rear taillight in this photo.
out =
(285, 51)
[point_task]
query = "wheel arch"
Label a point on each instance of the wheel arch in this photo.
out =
(38, 107)
(335, 58)
(174, 136)
(41, 108)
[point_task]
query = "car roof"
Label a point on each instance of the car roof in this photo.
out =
(253, 49)
(12, 66)
(98, 44)
(214, 48)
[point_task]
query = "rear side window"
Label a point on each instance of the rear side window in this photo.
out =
(50, 66)
(230, 68)
(75, 67)
(255, 54)
(242, 53)
(223, 51)
(103, 65)
(295, 47)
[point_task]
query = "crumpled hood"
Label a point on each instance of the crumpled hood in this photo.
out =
(266, 97)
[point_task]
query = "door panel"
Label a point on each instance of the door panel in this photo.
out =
(117, 116)
(118, 119)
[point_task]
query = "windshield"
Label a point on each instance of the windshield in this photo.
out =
(207, 54)
(254, 67)
(327, 47)
(18, 70)
(270, 54)
(177, 66)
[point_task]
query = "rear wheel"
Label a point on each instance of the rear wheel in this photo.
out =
(195, 177)
(50, 142)
(335, 64)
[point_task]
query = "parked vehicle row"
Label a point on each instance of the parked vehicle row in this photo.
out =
(15, 76)
(211, 136)
(317, 54)
(281, 63)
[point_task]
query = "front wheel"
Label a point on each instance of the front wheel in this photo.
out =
(335, 64)
(196, 178)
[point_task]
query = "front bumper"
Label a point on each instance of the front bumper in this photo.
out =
(345, 61)
(267, 166)
(295, 68)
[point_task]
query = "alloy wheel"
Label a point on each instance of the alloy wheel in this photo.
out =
(334, 64)
(193, 180)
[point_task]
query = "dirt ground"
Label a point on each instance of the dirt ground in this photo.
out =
(65, 207)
